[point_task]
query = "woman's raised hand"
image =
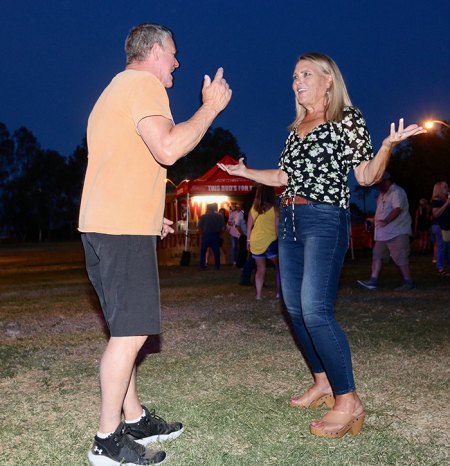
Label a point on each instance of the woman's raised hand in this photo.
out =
(397, 136)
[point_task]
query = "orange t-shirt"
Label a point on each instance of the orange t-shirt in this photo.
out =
(124, 188)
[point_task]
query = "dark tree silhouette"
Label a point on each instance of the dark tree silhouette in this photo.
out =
(36, 201)
(77, 164)
(16, 197)
(40, 190)
(6, 154)
(216, 143)
(420, 162)
(26, 147)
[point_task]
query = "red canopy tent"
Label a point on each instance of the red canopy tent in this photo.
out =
(216, 181)
(185, 207)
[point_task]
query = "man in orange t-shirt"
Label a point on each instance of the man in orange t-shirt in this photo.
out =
(131, 139)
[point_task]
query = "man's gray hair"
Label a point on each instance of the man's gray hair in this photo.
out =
(142, 38)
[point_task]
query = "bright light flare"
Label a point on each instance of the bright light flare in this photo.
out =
(210, 199)
(429, 124)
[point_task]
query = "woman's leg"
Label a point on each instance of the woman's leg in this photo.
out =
(259, 275)
(424, 241)
(291, 259)
(439, 247)
(326, 242)
(325, 247)
(291, 263)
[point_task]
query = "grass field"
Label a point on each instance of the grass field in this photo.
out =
(225, 366)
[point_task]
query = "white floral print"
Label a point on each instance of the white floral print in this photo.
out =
(318, 165)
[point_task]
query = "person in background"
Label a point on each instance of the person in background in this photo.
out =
(233, 231)
(211, 226)
(392, 233)
(225, 214)
(249, 264)
(327, 139)
(440, 205)
(422, 225)
(131, 138)
(241, 226)
(223, 250)
(262, 231)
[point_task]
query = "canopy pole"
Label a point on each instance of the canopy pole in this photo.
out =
(187, 223)
(176, 214)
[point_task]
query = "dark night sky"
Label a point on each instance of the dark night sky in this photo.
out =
(57, 56)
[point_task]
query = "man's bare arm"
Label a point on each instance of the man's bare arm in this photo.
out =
(168, 142)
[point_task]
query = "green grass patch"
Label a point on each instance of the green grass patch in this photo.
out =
(225, 365)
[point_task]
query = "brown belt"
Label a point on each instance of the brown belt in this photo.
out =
(287, 200)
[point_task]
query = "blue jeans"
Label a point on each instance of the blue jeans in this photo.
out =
(313, 241)
(442, 248)
(234, 248)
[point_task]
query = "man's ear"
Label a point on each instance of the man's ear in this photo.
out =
(155, 51)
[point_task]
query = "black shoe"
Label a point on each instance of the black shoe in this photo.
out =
(120, 449)
(152, 428)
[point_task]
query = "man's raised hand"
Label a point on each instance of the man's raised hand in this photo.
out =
(216, 93)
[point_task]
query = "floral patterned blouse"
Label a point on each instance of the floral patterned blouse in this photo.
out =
(318, 165)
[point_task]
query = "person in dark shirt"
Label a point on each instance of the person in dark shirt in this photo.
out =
(210, 225)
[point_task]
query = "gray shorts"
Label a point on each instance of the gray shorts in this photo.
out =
(124, 272)
(398, 248)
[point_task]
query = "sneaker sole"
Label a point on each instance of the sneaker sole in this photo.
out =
(159, 438)
(369, 287)
(99, 460)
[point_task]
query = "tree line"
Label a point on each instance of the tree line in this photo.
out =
(40, 190)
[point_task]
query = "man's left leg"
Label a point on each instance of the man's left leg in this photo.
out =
(117, 368)
(144, 425)
(399, 248)
(379, 252)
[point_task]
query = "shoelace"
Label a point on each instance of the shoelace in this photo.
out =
(153, 418)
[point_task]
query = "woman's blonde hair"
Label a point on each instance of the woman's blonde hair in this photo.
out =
(439, 190)
(338, 97)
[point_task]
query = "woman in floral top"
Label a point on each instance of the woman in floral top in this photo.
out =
(328, 138)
